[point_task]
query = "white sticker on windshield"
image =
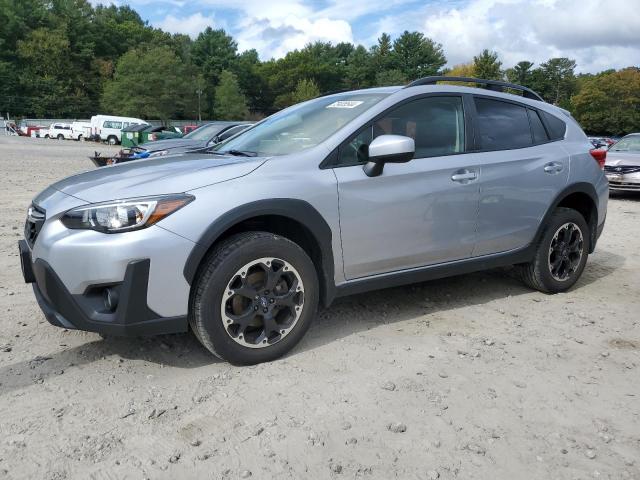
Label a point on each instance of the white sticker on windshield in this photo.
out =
(345, 104)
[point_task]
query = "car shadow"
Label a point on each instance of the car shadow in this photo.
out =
(399, 304)
(392, 305)
(177, 350)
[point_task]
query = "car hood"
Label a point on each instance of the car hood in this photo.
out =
(174, 143)
(173, 174)
(622, 158)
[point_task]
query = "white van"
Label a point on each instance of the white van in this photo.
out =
(80, 130)
(108, 128)
(61, 131)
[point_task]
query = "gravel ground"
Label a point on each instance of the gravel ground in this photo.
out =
(472, 377)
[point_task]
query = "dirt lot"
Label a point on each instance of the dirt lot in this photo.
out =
(473, 377)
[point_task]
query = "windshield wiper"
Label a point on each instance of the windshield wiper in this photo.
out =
(239, 153)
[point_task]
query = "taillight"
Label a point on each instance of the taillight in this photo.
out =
(599, 156)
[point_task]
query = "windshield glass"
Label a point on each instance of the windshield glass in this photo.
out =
(627, 144)
(206, 132)
(301, 126)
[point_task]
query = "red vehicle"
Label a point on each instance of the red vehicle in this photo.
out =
(188, 128)
(31, 128)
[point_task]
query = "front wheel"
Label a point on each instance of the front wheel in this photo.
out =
(561, 254)
(254, 298)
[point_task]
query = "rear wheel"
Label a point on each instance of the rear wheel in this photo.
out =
(561, 254)
(60, 136)
(112, 140)
(254, 298)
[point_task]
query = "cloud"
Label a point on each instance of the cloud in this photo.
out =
(191, 25)
(519, 30)
(273, 38)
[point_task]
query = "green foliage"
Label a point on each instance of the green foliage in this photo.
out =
(487, 66)
(68, 58)
(305, 90)
(609, 103)
(417, 56)
(150, 83)
(230, 103)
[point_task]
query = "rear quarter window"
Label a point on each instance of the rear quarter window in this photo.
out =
(555, 126)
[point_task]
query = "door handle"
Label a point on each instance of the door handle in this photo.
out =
(553, 167)
(463, 176)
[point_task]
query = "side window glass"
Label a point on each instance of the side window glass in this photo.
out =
(356, 151)
(537, 128)
(436, 125)
(502, 125)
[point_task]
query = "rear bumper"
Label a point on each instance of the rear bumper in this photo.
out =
(87, 311)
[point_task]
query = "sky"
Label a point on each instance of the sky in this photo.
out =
(597, 34)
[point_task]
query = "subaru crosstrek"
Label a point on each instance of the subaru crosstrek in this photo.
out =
(341, 194)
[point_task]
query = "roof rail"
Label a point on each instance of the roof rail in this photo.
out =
(494, 85)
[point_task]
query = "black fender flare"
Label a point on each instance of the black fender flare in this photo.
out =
(579, 187)
(294, 209)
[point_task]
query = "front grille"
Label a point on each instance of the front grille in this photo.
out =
(621, 169)
(35, 220)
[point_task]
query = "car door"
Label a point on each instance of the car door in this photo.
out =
(523, 170)
(417, 213)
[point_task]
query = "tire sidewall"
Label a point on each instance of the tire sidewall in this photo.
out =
(207, 314)
(559, 219)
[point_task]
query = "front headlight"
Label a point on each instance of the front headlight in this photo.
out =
(124, 215)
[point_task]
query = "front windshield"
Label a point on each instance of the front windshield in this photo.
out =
(627, 144)
(206, 132)
(301, 126)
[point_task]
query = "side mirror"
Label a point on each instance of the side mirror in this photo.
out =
(388, 149)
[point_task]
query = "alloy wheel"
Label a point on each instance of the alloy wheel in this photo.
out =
(565, 251)
(262, 302)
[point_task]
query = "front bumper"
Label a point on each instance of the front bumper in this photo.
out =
(87, 311)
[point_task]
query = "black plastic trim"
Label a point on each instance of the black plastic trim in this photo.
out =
(132, 317)
(434, 272)
(298, 210)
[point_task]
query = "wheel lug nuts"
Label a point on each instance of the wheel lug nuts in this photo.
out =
(265, 310)
(271, 300)
(266, 292)
(255, 308)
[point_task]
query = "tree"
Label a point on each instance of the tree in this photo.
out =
(388, 78)
(213, 51)
(556, 81)
(360, 71)
(417, 56)
(487, 66)
(230, 103)
(609, 103)
(151, 82)
(381, 54)
(305, 90)
(521, 73)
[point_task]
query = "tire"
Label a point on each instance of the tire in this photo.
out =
(546, 270)
(60, 137)
(81, 138)
(112, 140)
(240, 263)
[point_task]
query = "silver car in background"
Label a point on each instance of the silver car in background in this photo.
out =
(342, 194)
(622, 166)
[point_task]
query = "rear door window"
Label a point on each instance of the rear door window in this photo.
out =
(501, 125)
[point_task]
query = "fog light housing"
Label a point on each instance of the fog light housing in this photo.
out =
(110, 297)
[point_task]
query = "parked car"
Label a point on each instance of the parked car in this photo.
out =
(598, 142)
(204, 136)
(188, 128)
(80, 130)
(622, 166)
(345, 193)
(60, 131)
(107, 128)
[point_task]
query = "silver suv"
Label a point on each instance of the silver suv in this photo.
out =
(341, 194)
